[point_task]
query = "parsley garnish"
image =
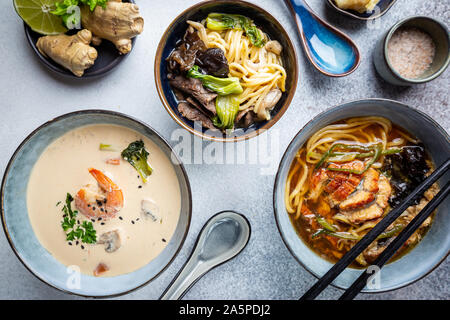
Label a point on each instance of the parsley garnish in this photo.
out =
(86, 232)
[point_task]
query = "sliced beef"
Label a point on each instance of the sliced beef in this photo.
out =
(190, 112)
(197, 105)
(194, 87)
(245, 118)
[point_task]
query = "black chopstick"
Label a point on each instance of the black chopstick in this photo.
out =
(392, 248)
(361, 245)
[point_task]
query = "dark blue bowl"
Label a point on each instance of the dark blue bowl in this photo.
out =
(108, 56)
(380, 9)
(198, 12)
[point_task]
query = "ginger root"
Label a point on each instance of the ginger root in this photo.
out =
(72, 52)
(118, 22)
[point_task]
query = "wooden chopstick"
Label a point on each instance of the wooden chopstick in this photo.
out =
(392, 248)
(361, 245)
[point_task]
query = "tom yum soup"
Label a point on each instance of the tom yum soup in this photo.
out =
(411, 52)
(347, 177)
(104, 198)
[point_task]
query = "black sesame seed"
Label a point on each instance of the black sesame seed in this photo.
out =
(102, 223)
(100, 218)
(163, 240)
(78, 221)
(70, 243)
(104, 200)
(120, 218)
(132, 221)
(89, 205)
(93, 208)
(82, 247)
(76, 243)
(140, 187)
(93, 220)
(137, 219)
(101, 209)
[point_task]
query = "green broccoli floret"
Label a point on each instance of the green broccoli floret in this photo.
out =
(136, 155)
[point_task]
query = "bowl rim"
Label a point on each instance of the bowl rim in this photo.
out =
(66, 116)
(251, 133)
(388, 37)
(350, 14)
(59, 69)
(278, 183)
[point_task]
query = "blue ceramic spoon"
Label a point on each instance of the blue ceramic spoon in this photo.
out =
(329, 50)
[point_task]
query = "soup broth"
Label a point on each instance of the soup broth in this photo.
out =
(126, 240)
(347, 177)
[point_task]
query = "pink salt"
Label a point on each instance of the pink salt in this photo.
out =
(411, 52)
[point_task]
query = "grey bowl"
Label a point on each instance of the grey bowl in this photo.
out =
(19, 231)
(440, 35)
(435, 246)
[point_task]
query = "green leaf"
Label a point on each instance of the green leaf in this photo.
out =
(137, 156)
(227, 108)
(86, 232)
(223, 21)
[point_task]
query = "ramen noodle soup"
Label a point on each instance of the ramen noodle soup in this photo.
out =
(226, 72)
(347, 177)
(103, 198)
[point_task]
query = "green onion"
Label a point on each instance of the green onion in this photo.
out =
(106, 147)
(324, 223)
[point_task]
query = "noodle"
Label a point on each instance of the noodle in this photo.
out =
(304, 200)
(259, 70)
(352, 131)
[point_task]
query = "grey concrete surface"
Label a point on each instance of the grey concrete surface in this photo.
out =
(31, 95)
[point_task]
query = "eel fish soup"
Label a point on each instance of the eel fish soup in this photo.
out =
(347, 177)
(104, 198)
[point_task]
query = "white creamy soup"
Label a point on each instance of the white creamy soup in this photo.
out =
(144, 222)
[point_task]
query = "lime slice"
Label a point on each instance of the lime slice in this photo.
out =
(36, 14)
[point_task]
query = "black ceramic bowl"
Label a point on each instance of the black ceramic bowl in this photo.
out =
(380, 9)
(108, 56)
(198, 12)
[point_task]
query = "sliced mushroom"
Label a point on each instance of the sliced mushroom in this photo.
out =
(274, 46)
(111, 240)
(269, 102)
(150, 209)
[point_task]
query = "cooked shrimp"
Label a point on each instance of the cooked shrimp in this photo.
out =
(102, 201)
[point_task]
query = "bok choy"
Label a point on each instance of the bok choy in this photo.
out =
(222, 86)
(227, 108)
(223, 21)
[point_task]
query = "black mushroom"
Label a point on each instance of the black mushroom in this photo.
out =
(407, 170)
(213, 62)
(184, 56)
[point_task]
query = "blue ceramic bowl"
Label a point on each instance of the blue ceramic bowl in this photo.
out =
(380, 9)
(435, 246)
(19, 231)
(198, 12)
(108, 56)
(437, 30)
